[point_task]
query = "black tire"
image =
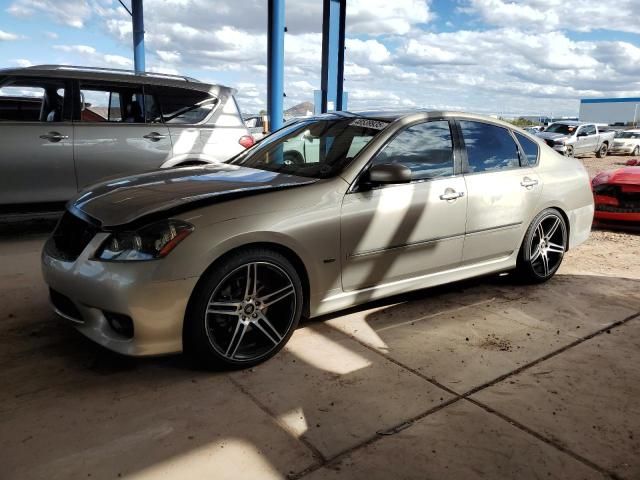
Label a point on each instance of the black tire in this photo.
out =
(293, 158)
(210, 337)
(537, 251)
(636, 152)
(602, 151)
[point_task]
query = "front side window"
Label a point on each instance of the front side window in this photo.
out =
(185, 106)
(112, 104)
(426, 149)
(316, 148)
(489, 147)
(562, 128)
(33, 101)
(530, 148)
(588, 130)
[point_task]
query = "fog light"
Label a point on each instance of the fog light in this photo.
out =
(121, 324)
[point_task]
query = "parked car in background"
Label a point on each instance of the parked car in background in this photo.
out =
(256, 126)
(534, 129)
(64, 128)
(223, 260)
(575, 138)
(626, 143)
(617, 196)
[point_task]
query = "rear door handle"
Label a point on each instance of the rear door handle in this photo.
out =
(154, 136)
(528, 182)
(54, 137)
(450, 194)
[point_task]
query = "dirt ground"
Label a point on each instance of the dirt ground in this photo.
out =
(480, 379)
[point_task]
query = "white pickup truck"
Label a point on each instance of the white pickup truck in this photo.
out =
(576, 138)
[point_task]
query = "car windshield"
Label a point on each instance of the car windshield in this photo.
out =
(312, 148)
(561, 128)
(628, 135)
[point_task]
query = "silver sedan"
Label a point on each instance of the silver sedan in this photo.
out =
(222, 261)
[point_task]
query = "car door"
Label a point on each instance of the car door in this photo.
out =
(117, 132)
(36, 163)
(502, 188)
(587, 139)
(395, 232)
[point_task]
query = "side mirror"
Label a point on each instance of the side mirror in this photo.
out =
(388, 173)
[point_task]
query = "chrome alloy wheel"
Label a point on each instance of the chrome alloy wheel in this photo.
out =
(548, 245)
(250, 311)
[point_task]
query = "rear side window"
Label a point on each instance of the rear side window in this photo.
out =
(34, 101)
(185, 106)
(114, 104)
(426, 149)
(530, 148)
(489, 147)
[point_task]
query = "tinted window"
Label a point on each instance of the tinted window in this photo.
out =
(530, 148)
(588, 130)
(185, 106)
(489, 147)
(425, 148)
(33, 101)
(113, 104)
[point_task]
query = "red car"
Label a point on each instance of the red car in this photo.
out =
(617, 196)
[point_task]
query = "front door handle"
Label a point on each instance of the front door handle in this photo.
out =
(54, 137)
(154, 136)
(528, 182)
(450, 194)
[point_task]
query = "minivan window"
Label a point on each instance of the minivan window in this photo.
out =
(111, 104)
(185, 106)
(33, 101)
(489, 147)
(530, 148)
(426, 149)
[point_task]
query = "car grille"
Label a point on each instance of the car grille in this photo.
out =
(70, 238)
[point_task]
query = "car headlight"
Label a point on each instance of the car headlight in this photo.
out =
(600, 178)
(150, 242)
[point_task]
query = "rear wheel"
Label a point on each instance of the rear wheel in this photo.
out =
(543, 247)
(602, 152)
(245, 310)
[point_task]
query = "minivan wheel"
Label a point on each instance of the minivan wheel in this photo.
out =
(543, 247)
(602, 152)
(244, 310)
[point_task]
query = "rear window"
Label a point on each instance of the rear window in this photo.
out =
(530, 148)
(185, 106)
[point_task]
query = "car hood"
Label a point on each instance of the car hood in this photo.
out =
(123, 201)
(621, 176)
(552, 136)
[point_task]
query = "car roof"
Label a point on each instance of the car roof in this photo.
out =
(115, 75)
(393, 115)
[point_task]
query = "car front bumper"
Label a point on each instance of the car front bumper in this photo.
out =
(96, 290)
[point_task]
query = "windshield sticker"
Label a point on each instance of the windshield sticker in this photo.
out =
(366, 123)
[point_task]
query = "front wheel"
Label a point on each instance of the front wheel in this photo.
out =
(569, 151)
(602, 151)
(244, 310)
(543, 247)
(636, 152)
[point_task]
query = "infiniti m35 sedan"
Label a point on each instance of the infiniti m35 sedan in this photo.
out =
(222, 261)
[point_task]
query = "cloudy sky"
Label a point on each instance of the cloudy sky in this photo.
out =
(489, 56)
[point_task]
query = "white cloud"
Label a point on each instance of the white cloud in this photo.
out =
(87, 55)
(6, 36)
(22, 62)
(72, 13)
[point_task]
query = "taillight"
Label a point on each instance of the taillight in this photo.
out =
(247, 141)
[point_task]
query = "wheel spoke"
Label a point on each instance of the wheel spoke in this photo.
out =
(553, 228)
(536, 254)
(236, 339)
(223, 308)
(555, 248)
(540, 231)
(545, 264)
(252, 280)
(274, 297)
(262, 318)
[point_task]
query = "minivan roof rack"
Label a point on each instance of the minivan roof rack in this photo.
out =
(113, 70)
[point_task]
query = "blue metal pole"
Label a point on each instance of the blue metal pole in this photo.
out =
(137, 19)
(275, 64)
(333, 33)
